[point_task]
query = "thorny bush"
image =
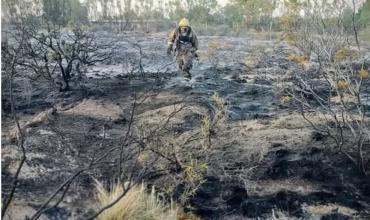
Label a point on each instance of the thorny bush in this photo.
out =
(330, 90)
(184, 157)
(56, 55)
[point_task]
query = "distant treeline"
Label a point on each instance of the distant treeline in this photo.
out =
(205, 15)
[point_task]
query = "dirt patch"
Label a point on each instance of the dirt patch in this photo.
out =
(96, 109)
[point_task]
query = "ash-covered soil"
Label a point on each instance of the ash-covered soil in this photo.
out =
(273, 163)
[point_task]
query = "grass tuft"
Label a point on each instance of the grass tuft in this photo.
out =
(363, 73)
(137, 204)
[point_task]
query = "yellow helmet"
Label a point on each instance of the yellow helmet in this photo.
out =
(184, 23)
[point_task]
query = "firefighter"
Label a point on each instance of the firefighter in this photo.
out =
(186, 46)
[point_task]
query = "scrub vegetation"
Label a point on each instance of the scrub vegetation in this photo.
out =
(99, 123)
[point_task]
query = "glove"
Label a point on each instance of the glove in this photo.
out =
(169, 50)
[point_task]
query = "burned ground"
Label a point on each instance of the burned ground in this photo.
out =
(270, 162)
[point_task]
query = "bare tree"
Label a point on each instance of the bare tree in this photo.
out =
(55, 55)
(10, 69)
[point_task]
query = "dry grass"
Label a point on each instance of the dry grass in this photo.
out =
(217, 122)
(286, 99)
(35, 121)
(346, 98)
(96, 109)
(342, 84)
(213, 49)
(270, 187)
(292, 121)
(205, 131)
(194, 171)
(250, 61)
(298, 58)
(345, 53)
(219, 118)
(137, 204)
(290, 38)
(363, 73)
(320, 210)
